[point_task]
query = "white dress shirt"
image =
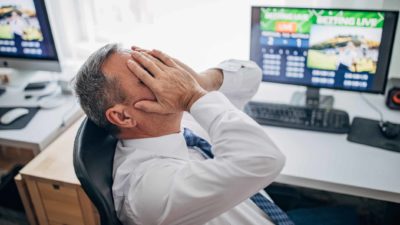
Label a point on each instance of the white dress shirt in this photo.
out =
(160, 181)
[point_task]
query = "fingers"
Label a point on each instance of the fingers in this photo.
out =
(150, 106)
(141, 74)
(184, 66)
(139, 49)
(156, 61)
(147, 63)
(166, 59)
(147, 53)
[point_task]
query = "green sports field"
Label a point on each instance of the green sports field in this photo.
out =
(319, 60)
(5, 32)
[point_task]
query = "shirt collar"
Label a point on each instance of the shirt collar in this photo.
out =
(171, 145)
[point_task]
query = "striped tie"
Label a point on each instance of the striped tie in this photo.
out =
(276, 214)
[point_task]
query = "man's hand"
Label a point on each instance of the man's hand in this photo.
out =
(210, 80)
(174, 87)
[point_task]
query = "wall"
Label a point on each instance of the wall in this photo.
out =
(395, 67)
(212, 29)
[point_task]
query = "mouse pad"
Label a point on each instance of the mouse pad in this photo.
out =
(367, 132)
(20, 122)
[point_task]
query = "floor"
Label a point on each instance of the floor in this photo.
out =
(11, 209)
(368, 211)
(289, 198)
(12, 217)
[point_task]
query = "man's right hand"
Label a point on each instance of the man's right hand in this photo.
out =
(209, 80)
(174, 87)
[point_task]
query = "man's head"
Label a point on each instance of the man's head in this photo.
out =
(108, 90)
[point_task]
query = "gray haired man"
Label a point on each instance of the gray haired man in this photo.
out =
(146, 99)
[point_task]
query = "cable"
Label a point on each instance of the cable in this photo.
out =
(373, 107)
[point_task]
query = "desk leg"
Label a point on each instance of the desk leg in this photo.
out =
(35, 197)
(24, 195)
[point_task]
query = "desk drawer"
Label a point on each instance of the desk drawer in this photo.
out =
(11, 156)
(61, 203)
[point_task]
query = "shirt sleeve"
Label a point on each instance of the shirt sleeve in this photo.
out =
(241, 80)
(194, 192)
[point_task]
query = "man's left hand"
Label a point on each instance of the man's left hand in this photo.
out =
(210, 80)
(174, 88)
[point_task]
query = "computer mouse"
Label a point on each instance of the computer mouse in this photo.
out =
(13, 115)
(389, 130)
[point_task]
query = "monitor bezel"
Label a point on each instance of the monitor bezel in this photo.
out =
(393, 37)
(54, 58)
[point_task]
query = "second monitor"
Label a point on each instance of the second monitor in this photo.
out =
(323, 48)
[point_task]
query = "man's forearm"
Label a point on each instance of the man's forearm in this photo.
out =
(211, 79)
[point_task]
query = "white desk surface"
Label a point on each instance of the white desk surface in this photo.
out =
(44, 127)
(328, 161)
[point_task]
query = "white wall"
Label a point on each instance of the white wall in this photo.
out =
(395, 65)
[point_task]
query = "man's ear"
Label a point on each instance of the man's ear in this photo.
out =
(120, 116)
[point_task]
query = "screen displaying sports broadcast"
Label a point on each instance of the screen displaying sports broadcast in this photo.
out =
(24, 30)
(322, 47)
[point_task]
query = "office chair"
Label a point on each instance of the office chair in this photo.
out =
(94, 150)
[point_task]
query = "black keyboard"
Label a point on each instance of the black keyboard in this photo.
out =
(316, 119)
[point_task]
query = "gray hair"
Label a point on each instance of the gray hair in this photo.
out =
(95, 91)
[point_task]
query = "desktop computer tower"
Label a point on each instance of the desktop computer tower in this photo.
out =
(393, 94)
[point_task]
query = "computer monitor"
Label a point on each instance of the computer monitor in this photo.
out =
(26, 40)
(343, 49)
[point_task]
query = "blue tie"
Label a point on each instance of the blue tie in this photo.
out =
(273, 211)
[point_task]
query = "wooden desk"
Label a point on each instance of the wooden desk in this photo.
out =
(50, 190)
(19, 146)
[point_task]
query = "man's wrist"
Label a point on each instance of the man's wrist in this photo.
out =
(211, 79)
(196, 96)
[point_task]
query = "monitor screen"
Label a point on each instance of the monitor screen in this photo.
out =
(25, 30)
(328, 48)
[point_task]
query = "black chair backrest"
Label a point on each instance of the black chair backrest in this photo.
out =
(94, 150)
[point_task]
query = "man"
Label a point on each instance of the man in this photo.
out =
(140, 96)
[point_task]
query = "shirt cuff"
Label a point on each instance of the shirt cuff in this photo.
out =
(239, 76)
(207, 108)
(241, 80)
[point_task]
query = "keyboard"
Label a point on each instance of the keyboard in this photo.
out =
(315, 119)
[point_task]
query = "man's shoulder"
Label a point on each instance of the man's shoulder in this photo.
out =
(141, 194)
(138, 169)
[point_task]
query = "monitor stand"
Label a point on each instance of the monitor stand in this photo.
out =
(20, 78)
(312, 98)
(16, 95)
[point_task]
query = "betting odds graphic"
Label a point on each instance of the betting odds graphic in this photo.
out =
(20, 29)
(336, 48)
